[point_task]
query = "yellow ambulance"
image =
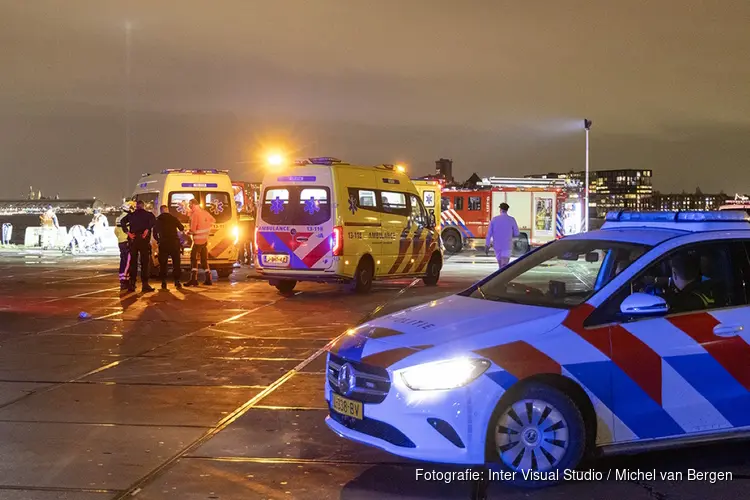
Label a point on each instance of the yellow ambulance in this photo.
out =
(213, 190)
(325, 220)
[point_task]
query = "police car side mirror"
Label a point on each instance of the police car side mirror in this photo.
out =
(643, 304)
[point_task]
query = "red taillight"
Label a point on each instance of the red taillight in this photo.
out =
(337, 241)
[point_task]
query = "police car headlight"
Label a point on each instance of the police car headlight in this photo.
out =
(442, 375)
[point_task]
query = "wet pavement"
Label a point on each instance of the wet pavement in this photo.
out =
(216, 393)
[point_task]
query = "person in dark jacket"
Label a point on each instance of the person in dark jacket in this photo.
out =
(140, 224)
(167, 233)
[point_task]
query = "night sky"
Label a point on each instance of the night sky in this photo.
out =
(500, 87)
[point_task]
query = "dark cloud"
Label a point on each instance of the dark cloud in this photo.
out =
(498, 86)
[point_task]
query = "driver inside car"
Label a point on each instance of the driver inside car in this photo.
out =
(691, 292)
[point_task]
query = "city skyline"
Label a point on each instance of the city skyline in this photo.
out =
(501, 88)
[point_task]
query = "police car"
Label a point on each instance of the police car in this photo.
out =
(629, 338)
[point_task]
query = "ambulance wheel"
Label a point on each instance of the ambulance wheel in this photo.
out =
(452, 241)
(286, 286)
(224, 272)
(154, 271)
(363, 276)
(537, 428)
(433, 271)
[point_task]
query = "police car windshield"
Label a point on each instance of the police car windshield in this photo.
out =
(562, 274)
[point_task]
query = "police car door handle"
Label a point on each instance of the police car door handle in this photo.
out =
(727, 330)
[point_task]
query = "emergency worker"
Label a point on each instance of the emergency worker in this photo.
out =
(139, 225)
(691, 292)
(200, 228)
(98, 226)
(123, 243)
(167, 233)
(503, 228)
(50, 227)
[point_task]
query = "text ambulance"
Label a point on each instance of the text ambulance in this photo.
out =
(213, 190)
(324, 220)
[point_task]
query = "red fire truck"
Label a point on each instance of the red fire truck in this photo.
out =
(543, 213)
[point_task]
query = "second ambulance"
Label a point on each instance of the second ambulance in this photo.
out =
(213, 190)
(325, 220)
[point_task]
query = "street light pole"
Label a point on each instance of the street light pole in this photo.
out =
(128, 29)
(587, 126)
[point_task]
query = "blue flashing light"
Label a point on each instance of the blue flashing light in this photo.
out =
(200, 185)
(678, 216)
(723, 216)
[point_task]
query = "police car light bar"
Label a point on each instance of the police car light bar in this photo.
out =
(323, 160)
(678, 216)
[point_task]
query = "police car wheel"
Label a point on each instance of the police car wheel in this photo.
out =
(286, 286)
(363, 276)
(539, 430)
(433, 272)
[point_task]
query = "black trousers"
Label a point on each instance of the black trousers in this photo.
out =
(140, 250)
(166, 251)
(199, 251)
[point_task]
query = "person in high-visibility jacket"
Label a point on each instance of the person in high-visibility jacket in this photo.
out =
(124, 244)
(200, 229)
(50, 227)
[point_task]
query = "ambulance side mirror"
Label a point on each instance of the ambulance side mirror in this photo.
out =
(431, 220)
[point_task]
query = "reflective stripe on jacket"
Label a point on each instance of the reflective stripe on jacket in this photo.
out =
(122, 236)
(200, 225)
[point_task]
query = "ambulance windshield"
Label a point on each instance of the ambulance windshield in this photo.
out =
(562, 274)
(296, 205)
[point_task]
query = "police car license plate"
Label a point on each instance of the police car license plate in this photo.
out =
(346, 406)
(276, 259)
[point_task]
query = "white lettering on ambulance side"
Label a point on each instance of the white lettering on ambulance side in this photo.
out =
(379, 235)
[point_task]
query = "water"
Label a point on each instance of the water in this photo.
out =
(21, 222)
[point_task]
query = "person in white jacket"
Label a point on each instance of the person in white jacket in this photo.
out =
(503, 228)
(98, 226)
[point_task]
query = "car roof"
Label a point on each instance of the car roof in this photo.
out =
(644, 235)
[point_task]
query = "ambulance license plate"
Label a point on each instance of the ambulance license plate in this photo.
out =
(346, 406)
(275, 259)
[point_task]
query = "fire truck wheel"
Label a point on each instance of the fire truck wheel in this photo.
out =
(452, 241)
(521, 244)
(433, 271)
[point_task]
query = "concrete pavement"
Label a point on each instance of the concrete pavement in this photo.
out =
(216, 393)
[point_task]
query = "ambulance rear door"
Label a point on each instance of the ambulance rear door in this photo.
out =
(295, 227)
